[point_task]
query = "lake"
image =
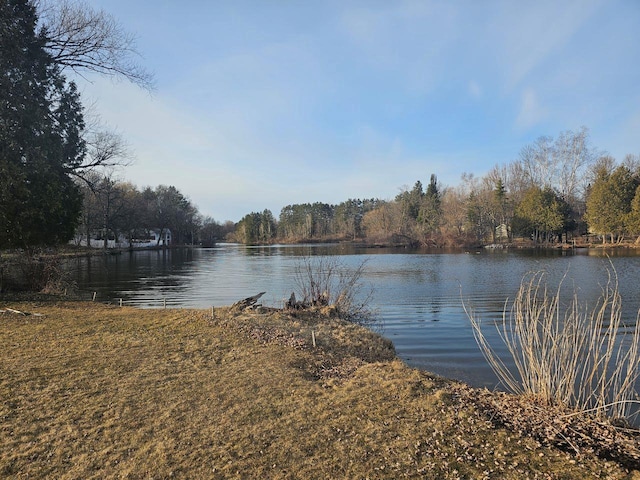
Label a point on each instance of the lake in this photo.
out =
(418, 295)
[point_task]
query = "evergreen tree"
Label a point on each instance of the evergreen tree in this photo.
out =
(429, 214)
(541, 214)
(499, 211)
(410, 202)
(41, 127)
(433, 191)
(609, 201)
(633, 218)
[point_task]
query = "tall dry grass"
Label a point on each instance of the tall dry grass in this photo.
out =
(571, 355)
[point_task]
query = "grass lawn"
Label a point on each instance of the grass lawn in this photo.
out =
(96, 391)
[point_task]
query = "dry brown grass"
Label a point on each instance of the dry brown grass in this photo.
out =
(90, 391)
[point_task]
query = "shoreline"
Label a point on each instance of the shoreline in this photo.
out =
(72, 251)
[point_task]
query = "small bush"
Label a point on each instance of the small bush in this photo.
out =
(34, 272)
(325, 281)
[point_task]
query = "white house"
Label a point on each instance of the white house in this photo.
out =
(154, 235)
(150, 239)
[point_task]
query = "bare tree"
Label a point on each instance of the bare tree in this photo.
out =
(325, 281)
(513, 178)
(110, 200)
(90, 216)
(632, 162)
(537, 162)
(573, 155)
(383, 222)
(88, 40)
(83, 40)
(455, 209)
(104, 149)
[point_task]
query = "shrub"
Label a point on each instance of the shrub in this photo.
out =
(36, 272)
(327, 281)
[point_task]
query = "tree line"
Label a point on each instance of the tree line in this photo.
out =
(305, 222)
(114, 210)
(54, 161)
(557, 189)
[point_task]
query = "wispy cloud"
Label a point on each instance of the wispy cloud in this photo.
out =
(530, 34)
(411, 40)
(531, 112)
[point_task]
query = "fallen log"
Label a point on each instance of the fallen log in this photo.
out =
(249, 302)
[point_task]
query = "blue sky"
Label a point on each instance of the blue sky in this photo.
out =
(260, 104)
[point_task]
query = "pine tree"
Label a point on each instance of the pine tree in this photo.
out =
(609, 202)
(429, 215)
(40, 137)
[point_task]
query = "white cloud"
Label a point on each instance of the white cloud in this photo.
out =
(228, 167)
(212, 164)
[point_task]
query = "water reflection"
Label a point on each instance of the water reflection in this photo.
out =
(418, 294)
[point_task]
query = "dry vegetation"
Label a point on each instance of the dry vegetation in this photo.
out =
(91, 391)
(585, 359)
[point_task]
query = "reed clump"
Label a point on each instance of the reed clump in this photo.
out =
(570, 355)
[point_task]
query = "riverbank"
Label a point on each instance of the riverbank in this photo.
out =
(96, 391)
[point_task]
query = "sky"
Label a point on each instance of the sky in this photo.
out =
(261, 104)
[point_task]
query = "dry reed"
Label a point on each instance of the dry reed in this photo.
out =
(581, 358)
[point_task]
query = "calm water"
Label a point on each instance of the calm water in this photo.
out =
(418, 295)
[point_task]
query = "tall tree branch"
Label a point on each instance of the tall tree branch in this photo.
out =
(83, 39)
